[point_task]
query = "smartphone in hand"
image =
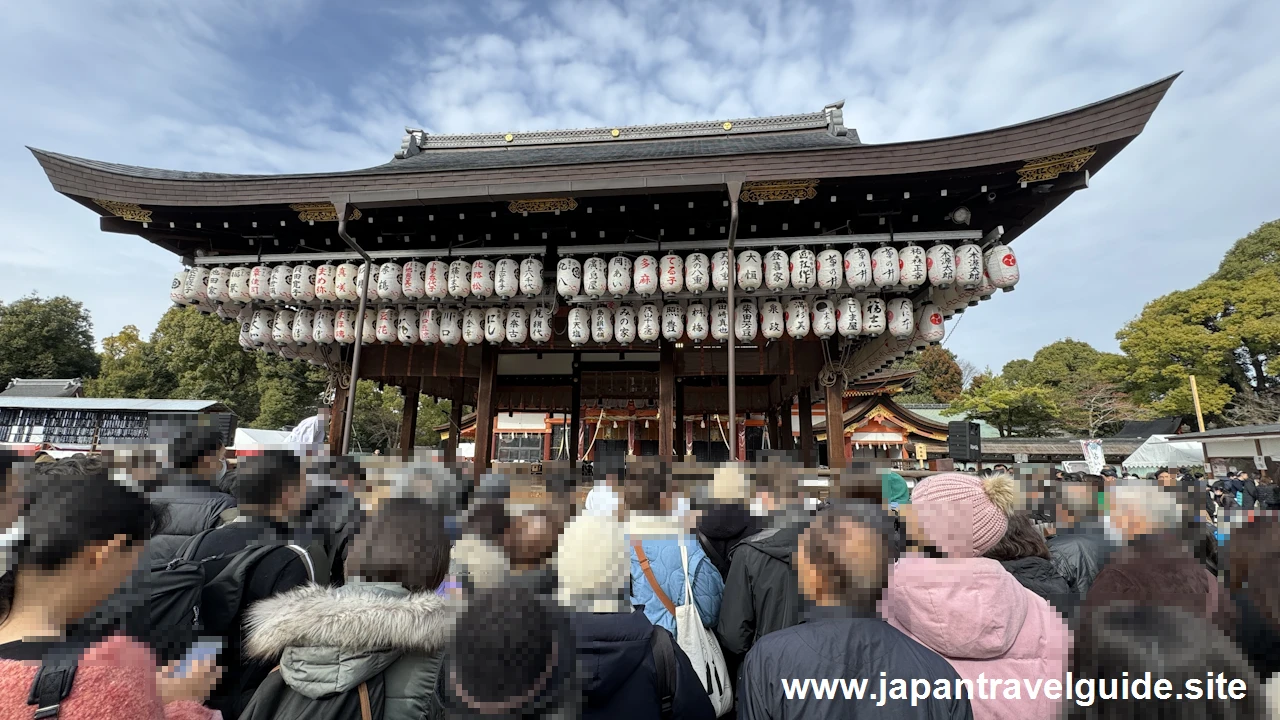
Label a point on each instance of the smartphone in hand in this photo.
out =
(201, 651)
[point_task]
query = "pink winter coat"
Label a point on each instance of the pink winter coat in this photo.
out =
(116, 679)
(984, 622)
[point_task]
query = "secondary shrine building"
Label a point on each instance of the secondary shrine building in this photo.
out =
(632, 274)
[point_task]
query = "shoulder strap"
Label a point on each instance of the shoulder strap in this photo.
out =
(664, 659)
(306, 560)
(53, 681)
(366, 709)
(653, 581)
(712, 554)
(188, 549)
(688, 581)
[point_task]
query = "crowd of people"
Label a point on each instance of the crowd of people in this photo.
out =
(179, 586)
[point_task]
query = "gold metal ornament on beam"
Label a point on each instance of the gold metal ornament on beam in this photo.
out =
(778, 190)
(124, 210)
(321, 212)
(539, 205)
(1051, 166)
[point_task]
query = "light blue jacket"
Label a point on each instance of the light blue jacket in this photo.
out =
(664, 559)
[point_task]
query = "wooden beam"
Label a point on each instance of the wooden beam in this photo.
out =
(806, 427)
(786, 441)
(455, 421)
(771, 426)
(575, 410)
(335, 420)
(667, 401)
(836, 459)
(681, 442)
(485, 410)
(412, 390)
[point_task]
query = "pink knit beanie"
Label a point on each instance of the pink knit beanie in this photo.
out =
(964, 516)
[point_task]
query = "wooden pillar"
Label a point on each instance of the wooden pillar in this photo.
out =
(485, 410)
(837, 459)
(336, 413)
(409, 417)
(771, 427)
(786, 441)
(666, 400)
(681, 440)
(575, 411)
(806, 428)
(455, 421)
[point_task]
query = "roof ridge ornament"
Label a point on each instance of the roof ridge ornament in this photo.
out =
(835, 118)
(411, 143)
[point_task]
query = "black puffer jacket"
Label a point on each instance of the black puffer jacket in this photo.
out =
(1268, 497)
(761, 594)
(191, 505)
(1079, 553)
(330, 521)
(721, 527)
(1040, 577)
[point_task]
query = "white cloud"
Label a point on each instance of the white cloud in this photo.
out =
(241, 86)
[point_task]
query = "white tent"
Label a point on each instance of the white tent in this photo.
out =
(1161, 451)
(253, 439)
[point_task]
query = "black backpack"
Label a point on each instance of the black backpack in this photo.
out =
(664, 658)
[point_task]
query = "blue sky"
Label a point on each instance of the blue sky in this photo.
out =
(303, 86)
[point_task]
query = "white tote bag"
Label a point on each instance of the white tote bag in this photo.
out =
(700, 644)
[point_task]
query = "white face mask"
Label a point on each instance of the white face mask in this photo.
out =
(757, 507)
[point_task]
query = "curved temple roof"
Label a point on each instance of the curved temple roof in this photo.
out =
(815, 145)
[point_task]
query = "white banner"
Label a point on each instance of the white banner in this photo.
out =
(1093, 455)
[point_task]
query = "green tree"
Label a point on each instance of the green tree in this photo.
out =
(288, 391)
(204, 356)
(938, 379)
(431, 413)
(375, 424)
(1011, 407)
(129, 369)
(42, 338)
(1078, 378)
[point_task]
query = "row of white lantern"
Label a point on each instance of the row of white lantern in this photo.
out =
(260, 326)
(803, 270)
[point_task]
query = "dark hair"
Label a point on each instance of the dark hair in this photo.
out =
(405, 543)
(193, 443)
(66, 513)
(10, 461)
(488, 520)
(1170, 644)
(74, 465)
(826, 546)
(347, 466)
(265, 478)
(644, 489)
(1160, 471)
(1251, 562)
(531, 538)
(1021, 540)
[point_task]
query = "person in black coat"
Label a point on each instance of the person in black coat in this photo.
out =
(1025, 554)
(189, 493)
(1079, 548)
(721, 527)
(616, 643)
(332, 515)
(843, 560)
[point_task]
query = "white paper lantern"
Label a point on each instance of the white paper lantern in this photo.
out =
(282, 328)
(281, 287)
(436, 283)
(829, 267)
(450, 326)
(324, 328)
(482, 271)
(362, 275)
(824, 317)
(750, 269)
(602, 324)
(386, 330)
(649, 325)
(540, 327)
(531, 277)
(796, 317)
(245, 320)
(260, 283)
(969, 266)
(940, 260)
(429, 325)
(579, 326)
(900, 317)
(697, 327)
(238, 285)
(672, 321)
(326, 277)
(777, 274)
(413, 280)
(260, 326)
(344, 282)
(986, 289)
(624, 322)
(697, 273)
(884, 266)
(407, 326)
(644, 275)
(495, 325)
(459, 279)
(506, 278)
(913, 266)
(568, 278)
(931, 329)
(216, 285)
(772, 319)
(473, 326)
(343, 324)
(517, 325)
(303, 285)
(619, 275)
(304, 323)
(286, 351)
(804, 269)
(1002, 267)
(746, 321)
(177, 288)
(595, 277)
(721, 270)
(873, 320)
(721, 321)
(857, 268)
(195, 286)
(671, 273)
(849, 316)
(226, 312)
(369, 334)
